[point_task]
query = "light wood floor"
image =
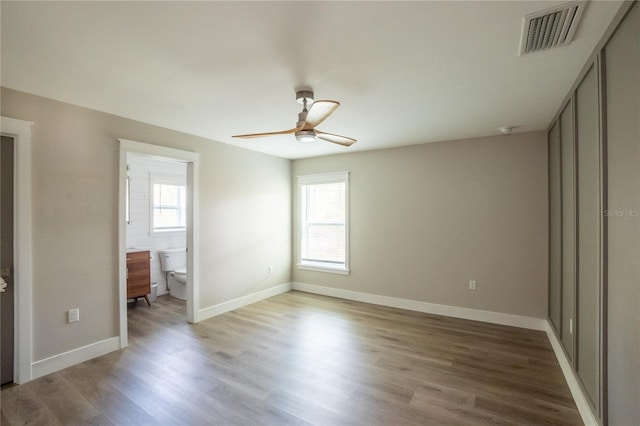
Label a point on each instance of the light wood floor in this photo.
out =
(299, 358)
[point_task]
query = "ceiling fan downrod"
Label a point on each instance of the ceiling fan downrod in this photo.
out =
(304, 96)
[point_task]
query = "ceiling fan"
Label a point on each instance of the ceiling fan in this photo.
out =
(308, 119)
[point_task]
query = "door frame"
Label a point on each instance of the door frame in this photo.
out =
(192, 160)
(20, 131)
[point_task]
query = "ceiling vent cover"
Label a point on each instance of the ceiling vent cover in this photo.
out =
(551, 27)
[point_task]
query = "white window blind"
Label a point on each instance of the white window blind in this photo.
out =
(323, 210)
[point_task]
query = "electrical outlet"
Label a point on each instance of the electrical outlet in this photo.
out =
(73, 315)
(270, 269)
(472, 285)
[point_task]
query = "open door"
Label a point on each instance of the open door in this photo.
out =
(6, 260)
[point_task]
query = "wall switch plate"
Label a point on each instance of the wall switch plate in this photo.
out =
(570, 325)
(73, 315)
(472, 285)
(270, 269)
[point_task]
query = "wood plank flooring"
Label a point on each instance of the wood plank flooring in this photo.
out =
(304, 359)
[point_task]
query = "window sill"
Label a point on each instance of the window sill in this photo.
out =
(323, 267)
(165, 232)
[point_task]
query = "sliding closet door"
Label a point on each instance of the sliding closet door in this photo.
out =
(623, 182)
(589, 241)
(555, 248)
(568, 214)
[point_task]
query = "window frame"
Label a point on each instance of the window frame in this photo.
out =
(320, 266)
(165, 179)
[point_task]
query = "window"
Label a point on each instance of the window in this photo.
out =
(168, 203)
(323, 218)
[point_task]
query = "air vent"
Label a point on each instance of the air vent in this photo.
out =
(551, 27)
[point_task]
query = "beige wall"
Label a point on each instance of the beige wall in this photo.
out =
(426, 219)
(245, 218)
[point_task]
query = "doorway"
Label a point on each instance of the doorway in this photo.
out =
(191, 160)
(7, 297)
(156, 224)
(20, 132)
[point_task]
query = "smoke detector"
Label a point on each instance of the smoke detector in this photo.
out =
(551, 28)
(507, 130)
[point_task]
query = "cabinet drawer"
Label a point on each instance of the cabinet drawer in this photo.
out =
(138, 257)
(138, 288)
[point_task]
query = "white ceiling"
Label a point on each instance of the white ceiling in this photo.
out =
(405, 72)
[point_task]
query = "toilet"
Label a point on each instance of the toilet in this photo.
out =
(174, 263)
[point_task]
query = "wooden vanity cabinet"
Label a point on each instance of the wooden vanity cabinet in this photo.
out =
(138, 275)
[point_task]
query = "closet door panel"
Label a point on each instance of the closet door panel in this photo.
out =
(588, 153)
(568, 209)
(622, 61)
(555, 289)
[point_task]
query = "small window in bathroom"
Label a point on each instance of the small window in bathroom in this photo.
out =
(168, 205)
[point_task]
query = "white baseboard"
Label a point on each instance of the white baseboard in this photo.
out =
(221, 308)
(430, 308)
(73, 357)
(588, 417)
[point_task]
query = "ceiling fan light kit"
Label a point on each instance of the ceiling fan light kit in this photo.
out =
(306, 136)
(308, 119)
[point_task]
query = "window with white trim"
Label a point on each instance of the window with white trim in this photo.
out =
(168, 203)
(323, 219)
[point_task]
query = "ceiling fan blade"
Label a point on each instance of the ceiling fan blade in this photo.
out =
(340, 140)
(318, 112)
(259, 135)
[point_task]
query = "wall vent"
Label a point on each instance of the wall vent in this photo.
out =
(550, 28)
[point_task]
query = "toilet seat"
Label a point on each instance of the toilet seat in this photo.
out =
(180, 275)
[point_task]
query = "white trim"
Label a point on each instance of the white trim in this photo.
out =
(75, 356)
(331, 177)
(223, 307)
(307, 266)
(588, 417)
(157, 151)
(21, 132)
(192, 160)
(431, 308)
(122, 241)
(193, 242)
